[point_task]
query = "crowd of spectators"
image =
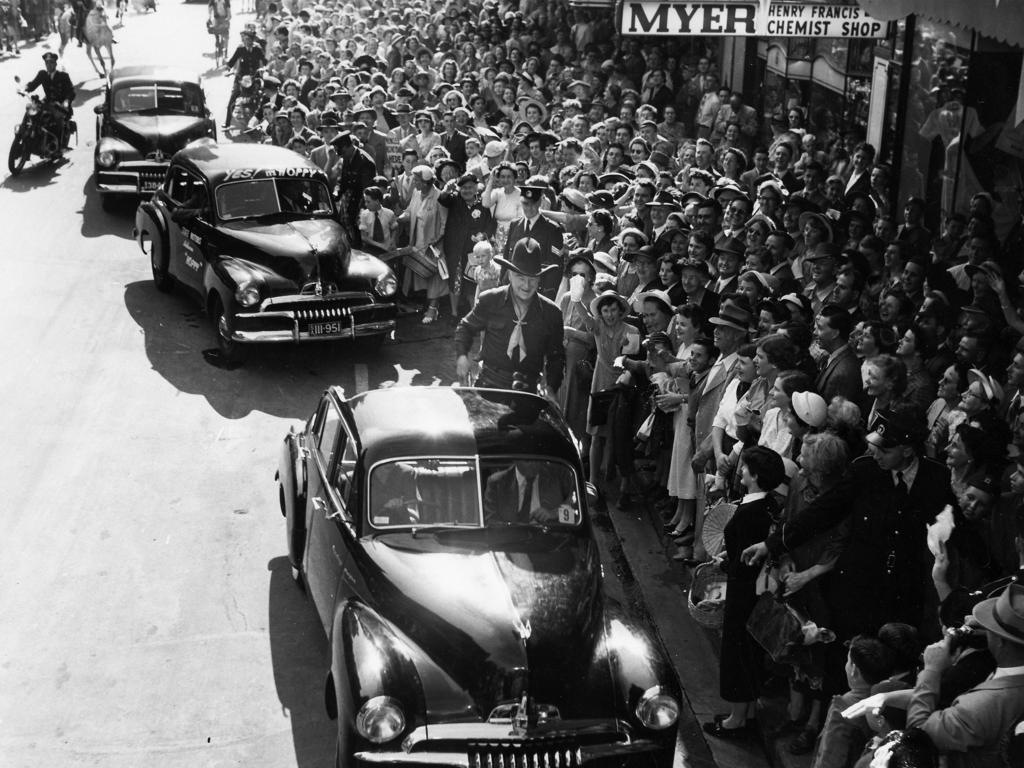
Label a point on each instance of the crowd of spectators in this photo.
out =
(748, 315)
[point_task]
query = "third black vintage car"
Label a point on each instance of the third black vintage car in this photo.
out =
(148, 113)
(444, 537)
(252, 232)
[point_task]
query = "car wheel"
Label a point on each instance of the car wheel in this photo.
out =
(158, 261)
(231, 352)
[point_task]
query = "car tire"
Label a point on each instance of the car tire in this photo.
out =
(158, 263)
(231, 352)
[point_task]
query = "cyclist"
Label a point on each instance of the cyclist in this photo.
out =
(219, 24)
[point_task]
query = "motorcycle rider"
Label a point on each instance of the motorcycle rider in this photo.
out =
(60, 93)
(246, 60)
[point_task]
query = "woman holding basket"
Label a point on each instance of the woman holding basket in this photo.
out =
(741, 666)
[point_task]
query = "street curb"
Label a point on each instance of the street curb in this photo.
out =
(691, 649)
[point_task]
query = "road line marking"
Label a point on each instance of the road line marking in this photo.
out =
(362, 378)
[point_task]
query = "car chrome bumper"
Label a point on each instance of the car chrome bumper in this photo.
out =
(286, 326)
(126, 180)
(590, 753)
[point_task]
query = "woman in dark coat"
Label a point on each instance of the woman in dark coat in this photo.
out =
(741, 665)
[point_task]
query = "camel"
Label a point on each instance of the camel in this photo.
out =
(98, 35)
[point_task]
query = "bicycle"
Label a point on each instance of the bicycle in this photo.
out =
(220, 29)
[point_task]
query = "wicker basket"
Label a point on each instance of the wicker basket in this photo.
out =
(706, 600)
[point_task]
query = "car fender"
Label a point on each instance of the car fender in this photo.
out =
(149, 219)
(291, 475)
(635, 658)
(124, 150)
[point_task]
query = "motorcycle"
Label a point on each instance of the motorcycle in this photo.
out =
(39, 133)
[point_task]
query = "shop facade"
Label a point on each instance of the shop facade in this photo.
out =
(934, 85)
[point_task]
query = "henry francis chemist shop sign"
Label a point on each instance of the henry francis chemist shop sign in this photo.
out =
(759, 19)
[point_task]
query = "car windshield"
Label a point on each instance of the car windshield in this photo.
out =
(473, 493)
(266, 197)
(158, 98)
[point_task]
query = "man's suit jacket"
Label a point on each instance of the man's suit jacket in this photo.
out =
(552, 244)
(456, 146)
(971, 731)
(841, 376)
(376, 146)
(704, 402)
(307, 88)
(502, 496)
(883, 573)
(862, 184)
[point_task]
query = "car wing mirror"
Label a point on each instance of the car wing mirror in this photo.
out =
(17, 80)
(183, 215)
(98, 109)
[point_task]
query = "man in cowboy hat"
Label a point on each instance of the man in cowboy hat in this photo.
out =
(549, 234)
(522, 329)
(972, 730)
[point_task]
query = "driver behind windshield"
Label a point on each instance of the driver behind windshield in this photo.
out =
(60, 93)
(530, 491)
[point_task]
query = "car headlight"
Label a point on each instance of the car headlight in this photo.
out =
(380, 719)
(106, 158)
(248, 294)
(387, 285)
(657, 710)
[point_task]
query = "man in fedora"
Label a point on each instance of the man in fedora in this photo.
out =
(522, 329)
(731, 325)
(550, 235)
(972, 730)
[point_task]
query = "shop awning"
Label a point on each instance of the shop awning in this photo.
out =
(999, 19)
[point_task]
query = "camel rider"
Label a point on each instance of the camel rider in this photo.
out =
(246, 60)
(60, 93)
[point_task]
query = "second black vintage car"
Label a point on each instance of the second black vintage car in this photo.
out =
(252, 232)
(444, 537)
(148, 113)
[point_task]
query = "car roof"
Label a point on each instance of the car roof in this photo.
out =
(153, 73)
(214, 160)
(465, 421)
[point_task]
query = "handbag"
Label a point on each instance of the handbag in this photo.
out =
(421, 262)
(777, 627)
(643, 432)
(600, 406)
(584, 373)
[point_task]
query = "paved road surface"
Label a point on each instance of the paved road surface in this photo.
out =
(148, 613)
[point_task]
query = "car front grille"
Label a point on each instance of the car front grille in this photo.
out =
(532, 753)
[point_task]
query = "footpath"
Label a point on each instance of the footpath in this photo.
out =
(662, 585)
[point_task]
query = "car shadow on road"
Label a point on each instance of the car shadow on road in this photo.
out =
(280, 379)
(300, 658)
(97, 222)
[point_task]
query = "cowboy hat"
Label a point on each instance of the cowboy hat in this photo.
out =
(732, 315)
(525, 259)
(1003, 615)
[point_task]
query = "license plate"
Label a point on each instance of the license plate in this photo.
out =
(149, 186)
(326, 329)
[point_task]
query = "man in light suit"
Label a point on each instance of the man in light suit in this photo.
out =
(840, 372)
(732, 324)
(971, 732)
(546, 232)
(530, 491)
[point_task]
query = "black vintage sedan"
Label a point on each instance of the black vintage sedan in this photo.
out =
(251, 231)
(148, 113)
(443, 535)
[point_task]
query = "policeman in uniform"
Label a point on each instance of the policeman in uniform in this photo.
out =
(60, 93)
(546, 232)
(522, 329)
(246, 60)
(354, 171)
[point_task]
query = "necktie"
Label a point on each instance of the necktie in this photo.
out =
(378, 228)
(526, 505)
(527, 228)
(516, 340)
(901, 491)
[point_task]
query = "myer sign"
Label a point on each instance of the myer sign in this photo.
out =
(760, 18)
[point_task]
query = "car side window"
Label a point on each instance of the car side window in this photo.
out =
(345, 471)
(329, 430)
(178, 185)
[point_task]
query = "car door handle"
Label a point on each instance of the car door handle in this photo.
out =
(319, 505)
